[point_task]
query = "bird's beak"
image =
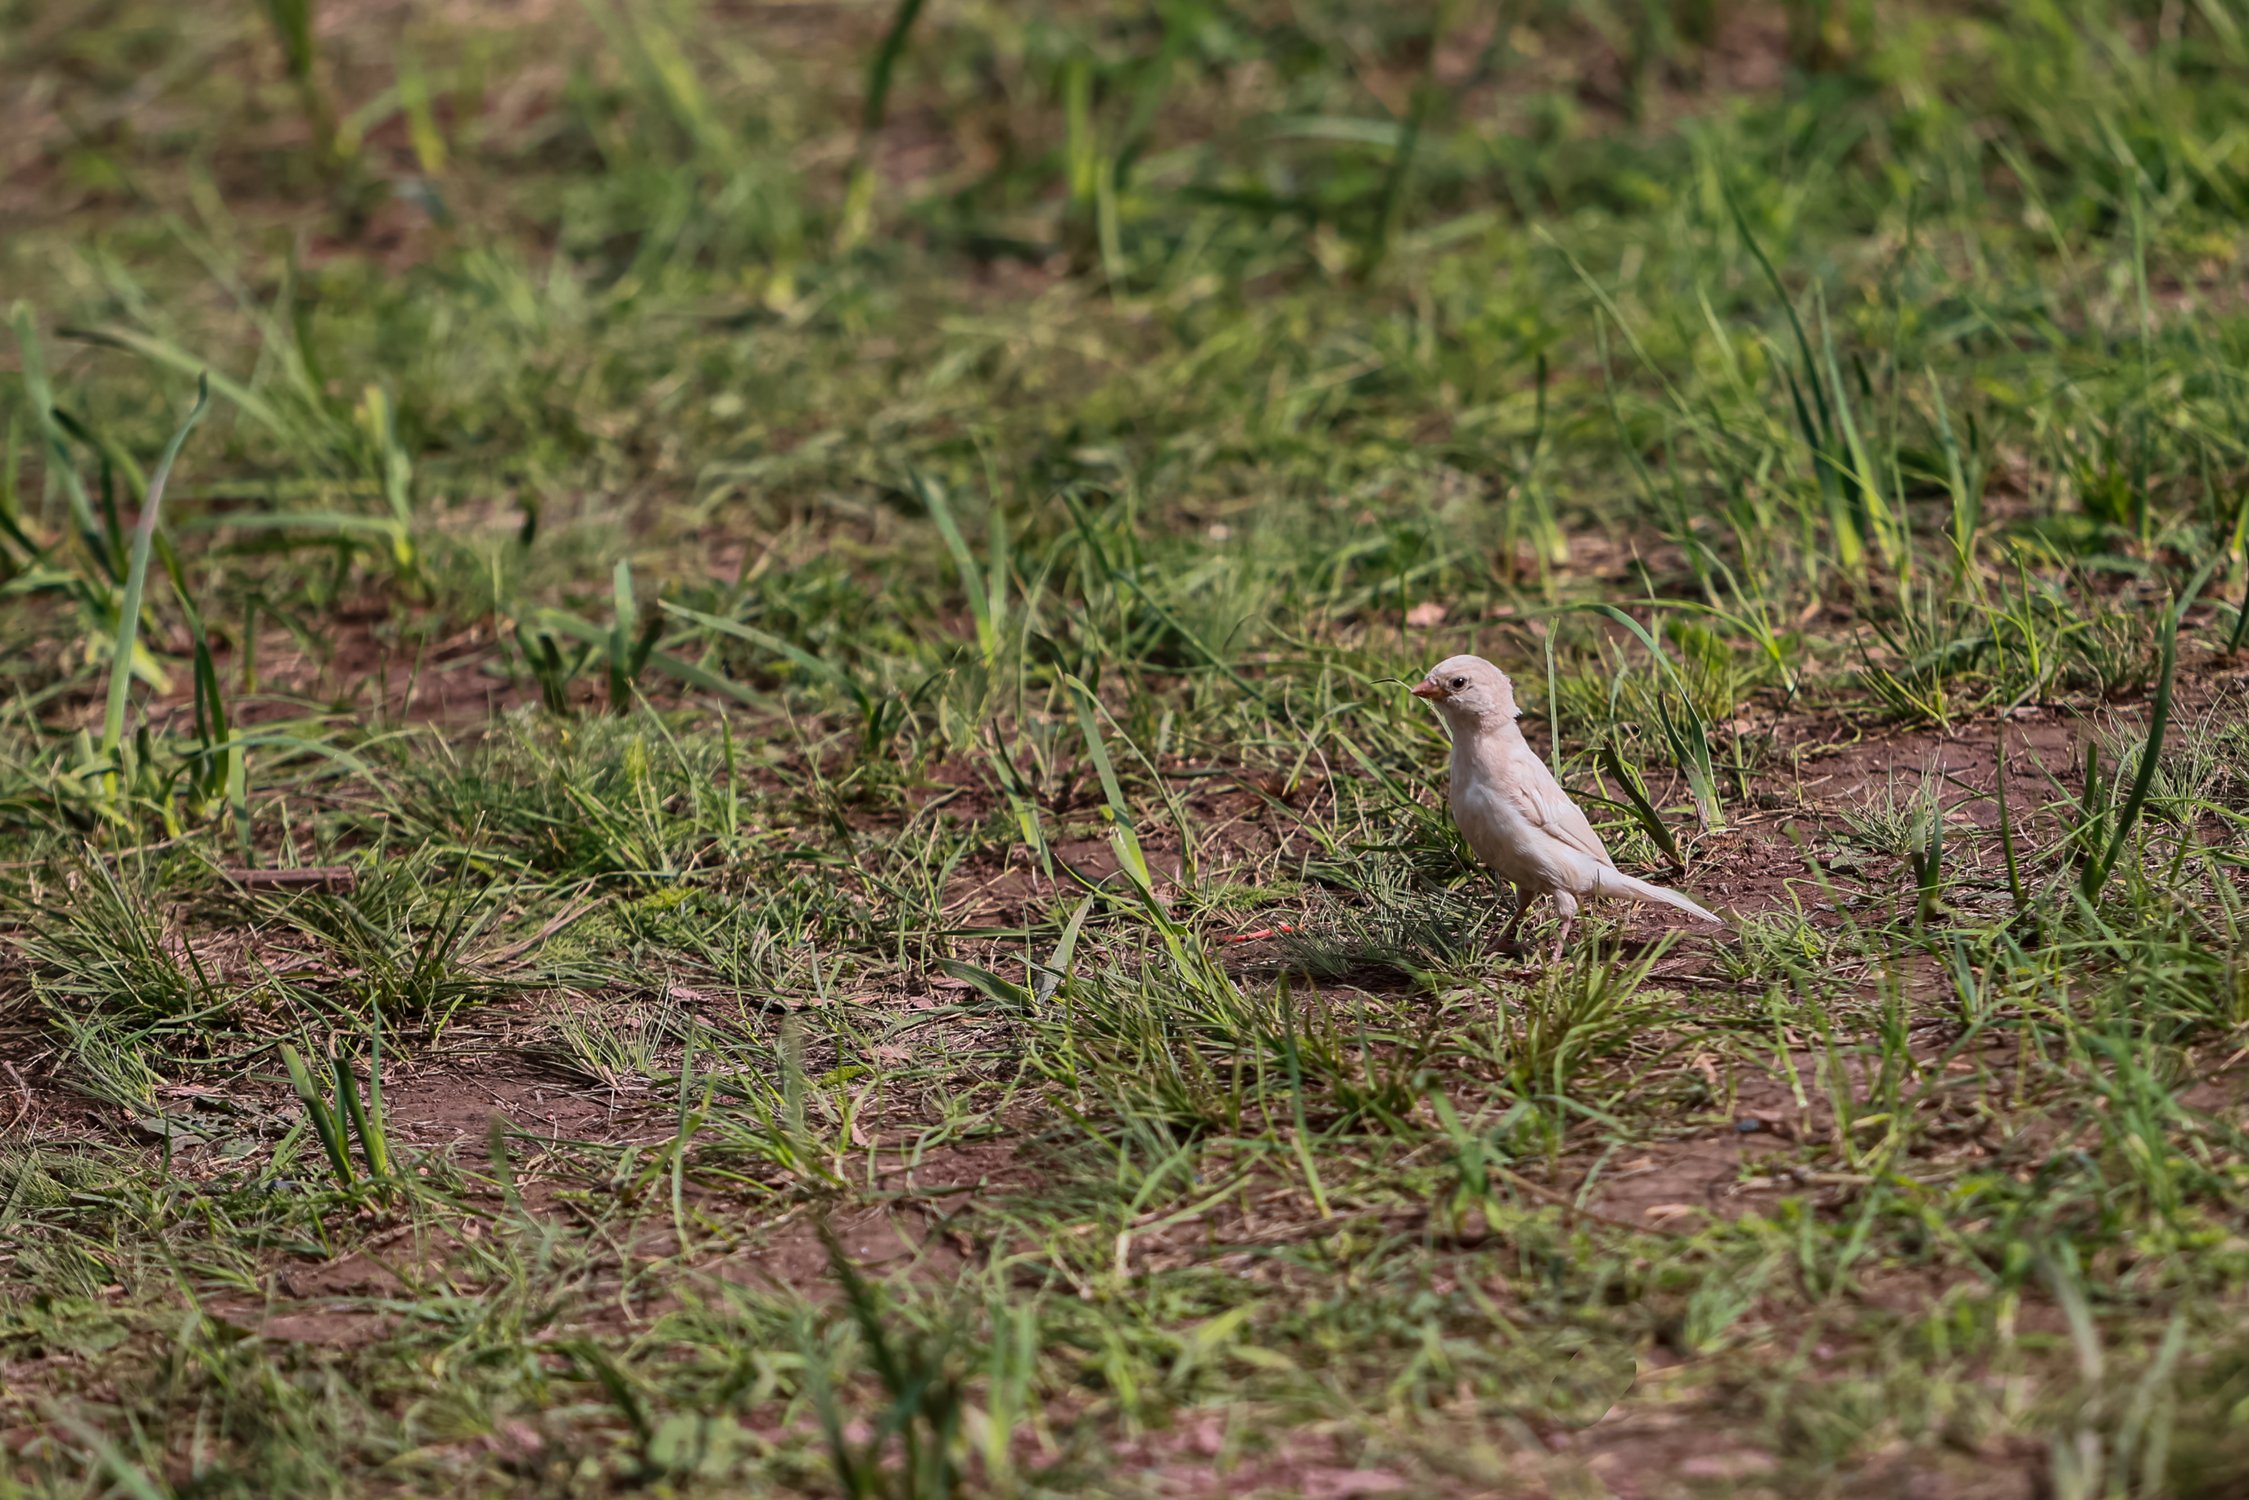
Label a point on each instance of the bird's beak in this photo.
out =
(1429, 690)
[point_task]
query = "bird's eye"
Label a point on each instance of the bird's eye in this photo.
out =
(1460, 682)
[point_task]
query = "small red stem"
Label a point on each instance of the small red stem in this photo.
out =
(1262, 932)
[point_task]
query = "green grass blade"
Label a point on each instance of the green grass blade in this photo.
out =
(973, 583)
(1810, 365)
(624, 617)
(1651, 822)
(1046, 979)
(323, 1115)
(172, 357)
(1391, 205)
(136, 577)
(2151, 750)
(1687, 730)
(824, 670)
(59, 459)
(366, 1118)
(1967, 518)
(1880, 522)
(882, 68)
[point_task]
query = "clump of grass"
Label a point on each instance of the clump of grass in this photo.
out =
(353, 1113)
(95, 936)
(1896, 818)
(409, 936)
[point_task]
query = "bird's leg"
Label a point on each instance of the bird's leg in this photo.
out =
(1566, 904)
(1515, 919)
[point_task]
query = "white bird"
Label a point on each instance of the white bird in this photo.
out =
(1513, 812)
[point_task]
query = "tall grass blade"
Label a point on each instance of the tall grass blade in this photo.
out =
(366, 1114)
(136, 580)
(60, 462)
(1685, 728)
(2158, 720)
(974, 583)
(1391, 205)
(859, 194)
(325, 1121)
(1651, 822)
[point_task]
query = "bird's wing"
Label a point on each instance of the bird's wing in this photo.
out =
(1541, 799)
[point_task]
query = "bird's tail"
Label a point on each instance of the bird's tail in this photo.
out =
(1617, 883)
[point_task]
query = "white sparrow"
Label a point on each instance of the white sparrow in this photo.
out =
(1513, 812)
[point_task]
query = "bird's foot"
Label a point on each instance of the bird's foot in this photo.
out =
(1562, 938)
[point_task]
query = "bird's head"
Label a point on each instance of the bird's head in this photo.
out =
(1469, 690)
